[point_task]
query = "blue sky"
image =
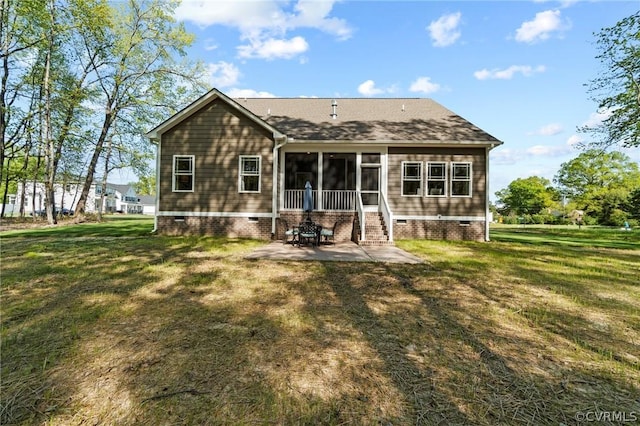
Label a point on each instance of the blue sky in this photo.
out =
(516, 69)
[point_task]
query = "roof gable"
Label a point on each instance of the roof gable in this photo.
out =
(200, 103)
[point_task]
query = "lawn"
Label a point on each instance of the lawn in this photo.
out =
(108, 324)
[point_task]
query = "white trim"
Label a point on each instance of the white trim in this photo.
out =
(241, 174)
(192, 172)
(440, 217)
(402, 178)
(214, 214)
(276, 184)
(451, 179)
(157, 207)
(486, 194)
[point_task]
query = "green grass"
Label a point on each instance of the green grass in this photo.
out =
(108, 324)
(585, 236)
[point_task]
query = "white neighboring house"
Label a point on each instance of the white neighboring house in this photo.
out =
(119, 198)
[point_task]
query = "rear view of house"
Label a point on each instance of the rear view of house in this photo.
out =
(380, 169)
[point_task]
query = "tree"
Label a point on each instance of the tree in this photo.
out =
(146, 184)
(634, 203)
(526, 196)
(616, 90)
(138, 77)
(599, 182)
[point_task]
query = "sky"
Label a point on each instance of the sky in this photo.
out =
(516, 69)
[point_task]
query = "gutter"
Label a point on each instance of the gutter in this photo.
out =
(156, 141)
(275, 184)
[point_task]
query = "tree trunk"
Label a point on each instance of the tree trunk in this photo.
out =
(82, 202)
(49, 153)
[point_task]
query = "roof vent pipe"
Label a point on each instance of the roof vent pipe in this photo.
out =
(334, 106)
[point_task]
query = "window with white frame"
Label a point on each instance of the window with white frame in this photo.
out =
(249, 173)
(183, 173)
(411, 178)
(460, 179)
(436, 179)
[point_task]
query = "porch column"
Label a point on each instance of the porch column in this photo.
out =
(320, 182)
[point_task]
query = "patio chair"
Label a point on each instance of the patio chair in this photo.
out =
(289, 233)
(328, 234)
(307, 233)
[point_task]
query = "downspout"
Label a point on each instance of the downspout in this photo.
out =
(275, 185)
(157, 209)
(486, 185)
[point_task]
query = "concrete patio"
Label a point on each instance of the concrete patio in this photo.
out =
(339, 252)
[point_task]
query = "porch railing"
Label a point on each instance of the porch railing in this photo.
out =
(341, 200)
(293, 199)
(387, 214)
(361, 217)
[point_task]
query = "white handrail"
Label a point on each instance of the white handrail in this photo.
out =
(361, 215)
(335, 200)
(387, 215)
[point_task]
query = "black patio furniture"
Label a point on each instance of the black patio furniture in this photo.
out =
(290, 234)
(328, 234)
(309, 233)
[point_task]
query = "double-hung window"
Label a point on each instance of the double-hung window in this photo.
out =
(183, 173)
(460, 179)
(249, 173)
(436, 179)
(411, 178)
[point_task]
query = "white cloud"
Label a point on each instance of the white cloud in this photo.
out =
(273, 48)
(315, 14)
(550, 150)
(563, 3)
(424, 85)
(596, 118)
(248, 93)
(265, 24)
(368, 88)
(549, 130)
(444, 31)
(541, 27)
(210, 44)
(575, 140)
(223, 74)
(505, 156)
(508, 73)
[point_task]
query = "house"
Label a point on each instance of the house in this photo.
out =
(383, 169)
(119, 198)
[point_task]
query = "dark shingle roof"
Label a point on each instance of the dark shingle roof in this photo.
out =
(365, 119)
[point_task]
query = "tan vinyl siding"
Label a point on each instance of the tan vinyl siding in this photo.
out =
(217, 136)
(433, 206)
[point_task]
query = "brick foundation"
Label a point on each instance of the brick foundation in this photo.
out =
(439, 230)
(344, 229)
(260, 228)
(234, 227)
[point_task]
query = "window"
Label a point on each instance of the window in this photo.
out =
(436, 179)
(183, 172)
(249, 173)
(411, 178)
(370, 158)
(460, 179)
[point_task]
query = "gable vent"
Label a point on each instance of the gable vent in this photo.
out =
(334, 109)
